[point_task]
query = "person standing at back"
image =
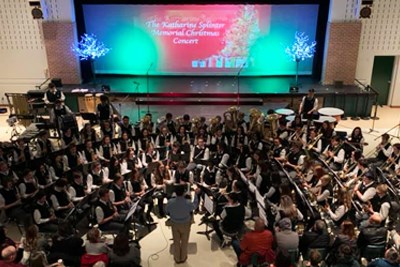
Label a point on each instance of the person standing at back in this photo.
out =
(180, 209)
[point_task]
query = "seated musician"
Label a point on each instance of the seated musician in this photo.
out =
(97, 176)
(28, 187)
(327, 132)
(6, 172)
(323, 190)
(273, 195)
(160, 178)
(130, 161)
(218, 138)
(22, 152)
(335, 154)
(207, 180)
(379, 205)
(74, 159)
(278, 150)
(282, 131)
(150, 155)
(164, 140)
(298, 135)
(340, 208)
(362, 168)
(200, 151)
(126, 127)
(88, 154)
(232, 217)
(314, 142)
(384, 149)
(107, 215)
(88, 133)
(365, 191)
(182, 175)
(295, 158)
(239, 138)
(243, 159)
(43, 214)
(77, 190)
(106, 150)
(44, 176)
(144, 140)
(287, 209)
(119, 195)
(10, 201)
(183, 138)
(351, 166)
(174, 156)
(125, 143)
(356, 138)
(222, 157)
(393, 161)
(106, 129)
(60, 198)
(316, 237)
(68, 138)
(43, 145)
(137, 187)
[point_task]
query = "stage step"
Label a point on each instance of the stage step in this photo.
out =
(202, 102)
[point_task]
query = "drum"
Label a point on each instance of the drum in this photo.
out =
(331, 112)
(284, 111)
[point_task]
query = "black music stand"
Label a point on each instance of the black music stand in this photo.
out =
(210, 207)
(91, 117)
(80, 206)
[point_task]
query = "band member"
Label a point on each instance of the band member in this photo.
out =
(97, 176)
(144, 140)
(356, 138)
(146, 123)
(160, 177)
(125, 143)
(62, 116)
(295, 158)
(218, 138)
(22, 152)
(10, 201)
(60, 199)
(151, 155)
(171, 125)
(183, 138)
(68, 138)
(392, 163)
(106, 150)
(351, 166)
(107, 215)
(126, 127)
(296, 122)
(88, 133)
(74, 160)
(119, 195)
(53, 94)
(182, 175)
(28, 187)
(298, 135)
(243, 159)
(174, 156)
(327, 132)
(324, 190)
(384, 149)
(334, 153)
(379, 205)
(200, 151)
(43, 214)
(314, 141)
(309, 105)
(340, 207)
(239, 138)
(77, 190)
(88, 154)
(278, 151)
(130, 161)
(282, 131)
(164, 141)
(104, 109)
(44, 176)
(43, 145)
(365, 191)
(106, 129)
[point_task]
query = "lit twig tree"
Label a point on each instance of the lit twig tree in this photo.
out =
(89, 48)
(301, 50)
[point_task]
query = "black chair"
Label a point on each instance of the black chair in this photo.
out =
(374, 251)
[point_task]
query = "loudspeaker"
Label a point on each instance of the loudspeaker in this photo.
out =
(57, 82)
(294, 89)
(338, 84)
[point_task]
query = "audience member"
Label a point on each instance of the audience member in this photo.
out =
(123, 253)
(286, 239)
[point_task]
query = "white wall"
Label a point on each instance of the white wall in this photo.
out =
(23, 63)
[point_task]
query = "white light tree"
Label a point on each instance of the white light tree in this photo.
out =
(90, 48)
(301, 50)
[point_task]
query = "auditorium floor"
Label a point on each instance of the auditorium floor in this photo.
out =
(156, 246)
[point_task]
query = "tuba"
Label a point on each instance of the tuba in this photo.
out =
(196, 125)
(270, 132)
(255, 117)
(214, 123)
(231, 119)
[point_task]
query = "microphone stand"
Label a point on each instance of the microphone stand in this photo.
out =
(147, 81)
(238, 84)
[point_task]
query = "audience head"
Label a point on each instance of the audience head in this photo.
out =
(104, 193)
(233, 197)
(347, 228)
(180, 190)
(320, 227)
(283, 259)
(121, 245)
(392, 256)
(259, 225)
(375, 219)
(285, 224)
(315, 257)
(8, 253)
(41, 196)
(65, 229)
(93, 236)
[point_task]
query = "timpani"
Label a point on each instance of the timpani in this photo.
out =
(284, 112)
(331, 112)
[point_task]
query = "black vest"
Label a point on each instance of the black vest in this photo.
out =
(126, 129)
(53, 97)
(60, 112)
(108, 210)
(119, 193)
(198, 153)
(241, 160)
(124, 145)
(44, 210)
(61, 197)
(43, 178)
(79, 189)
(136, 186)
(209, 176)
(29, 187)
(377, 202)
(277, 152)
(10, 196)
(104, 111)
(164, 138)
(72, 160)
(381, 156)
(107, 152)
(88, 155)
(97, 178)
(362, 188)
(294, 157)
(308, 104)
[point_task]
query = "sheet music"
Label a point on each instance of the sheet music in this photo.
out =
(132, 210)
(208, 204)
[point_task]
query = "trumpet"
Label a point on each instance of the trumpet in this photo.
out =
(335, 151)
(388, 164)
(311, 144)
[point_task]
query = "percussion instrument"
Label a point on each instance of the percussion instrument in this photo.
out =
(284, 111)
(331, 112)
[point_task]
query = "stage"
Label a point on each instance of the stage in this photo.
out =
(208, 95)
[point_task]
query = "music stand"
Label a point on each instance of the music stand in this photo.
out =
(210, 207)
(91, 117)
(84, 201)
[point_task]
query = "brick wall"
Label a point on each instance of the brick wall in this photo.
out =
(342, 54)
(58, 39)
